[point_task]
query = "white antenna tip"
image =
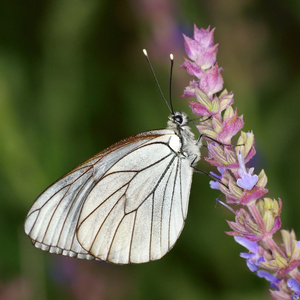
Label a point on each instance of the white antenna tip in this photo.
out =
(145, 52)
(171, 56)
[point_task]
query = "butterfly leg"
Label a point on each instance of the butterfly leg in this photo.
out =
(214, 140)
(209, 175)
(205, 173)
(199, 141)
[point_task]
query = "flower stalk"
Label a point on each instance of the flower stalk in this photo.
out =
(257, 218)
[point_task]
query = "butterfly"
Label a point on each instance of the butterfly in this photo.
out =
(127, 204)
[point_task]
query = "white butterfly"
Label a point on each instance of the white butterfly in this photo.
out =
(127, 204)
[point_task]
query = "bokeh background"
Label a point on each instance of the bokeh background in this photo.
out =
(73, 80)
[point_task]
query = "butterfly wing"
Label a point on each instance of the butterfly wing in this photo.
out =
(52, 220)
(125, 205)
(137, 211)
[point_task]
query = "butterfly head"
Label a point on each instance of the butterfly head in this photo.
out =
(178, 119)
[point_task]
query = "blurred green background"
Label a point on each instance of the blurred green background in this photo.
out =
(73, 80)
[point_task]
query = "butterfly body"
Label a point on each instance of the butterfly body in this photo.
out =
(127, 204)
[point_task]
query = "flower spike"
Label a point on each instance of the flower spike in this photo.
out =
(257, 219)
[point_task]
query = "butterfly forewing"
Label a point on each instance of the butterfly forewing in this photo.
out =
(125, 205)
(132, 230)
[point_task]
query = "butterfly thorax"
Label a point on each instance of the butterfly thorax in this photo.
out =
(190, 148)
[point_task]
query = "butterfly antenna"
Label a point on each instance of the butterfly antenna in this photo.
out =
(162, 94)
(170, 85)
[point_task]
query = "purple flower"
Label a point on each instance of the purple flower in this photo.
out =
(253, 258)
(227, 206)
(215, 184)
(272, 279)
(247, 180)
(295, 287)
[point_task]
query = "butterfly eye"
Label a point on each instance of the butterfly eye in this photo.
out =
(178, 119)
